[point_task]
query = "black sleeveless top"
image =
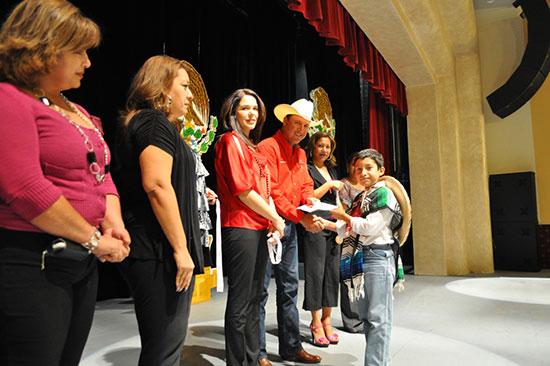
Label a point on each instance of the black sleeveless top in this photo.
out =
(151, 127)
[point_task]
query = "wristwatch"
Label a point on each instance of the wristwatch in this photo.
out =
(93, 243)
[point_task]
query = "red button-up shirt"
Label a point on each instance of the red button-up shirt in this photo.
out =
(291, 184)
(237, 171)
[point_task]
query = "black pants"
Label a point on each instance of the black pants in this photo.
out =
(351, 321)
(45, 315)
(244, 263)
(162, 313)
(322, 270)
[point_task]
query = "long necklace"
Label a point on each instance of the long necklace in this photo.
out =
(264, 173)
(94, 167)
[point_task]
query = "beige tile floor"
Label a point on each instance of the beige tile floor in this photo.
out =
(502, 319)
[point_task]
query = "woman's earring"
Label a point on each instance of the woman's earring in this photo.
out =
(167, 105)
(39, 93)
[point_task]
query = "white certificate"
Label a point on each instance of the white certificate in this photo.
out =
(319, 206)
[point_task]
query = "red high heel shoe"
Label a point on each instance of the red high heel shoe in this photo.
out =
(334, 338)
(321, 341)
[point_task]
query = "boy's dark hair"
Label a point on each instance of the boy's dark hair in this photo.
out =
(373, 154)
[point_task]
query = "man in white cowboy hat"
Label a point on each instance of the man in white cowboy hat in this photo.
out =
(291, 186)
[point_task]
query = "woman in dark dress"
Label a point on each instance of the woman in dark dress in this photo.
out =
(157, 186)
(321, 252)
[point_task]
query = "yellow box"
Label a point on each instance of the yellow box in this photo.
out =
(203, 283)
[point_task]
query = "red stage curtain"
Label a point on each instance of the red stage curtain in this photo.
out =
(334, 23)
(379, 134)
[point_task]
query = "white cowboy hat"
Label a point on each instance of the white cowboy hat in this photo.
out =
(301, 107)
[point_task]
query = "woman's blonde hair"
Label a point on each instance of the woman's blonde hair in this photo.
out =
(36, 32)
(150, 86)
(331, 160)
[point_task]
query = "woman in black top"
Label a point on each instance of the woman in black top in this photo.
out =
(157, 186)
(321, 252)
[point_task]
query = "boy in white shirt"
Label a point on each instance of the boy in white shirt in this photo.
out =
(368, 257)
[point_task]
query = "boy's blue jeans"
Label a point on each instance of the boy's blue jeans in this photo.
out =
(376, 308)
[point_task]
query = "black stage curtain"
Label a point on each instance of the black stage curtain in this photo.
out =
(233, 44)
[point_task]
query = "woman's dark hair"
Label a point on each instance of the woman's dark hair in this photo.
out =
(229, 120)
(331, 160)
(351, 161)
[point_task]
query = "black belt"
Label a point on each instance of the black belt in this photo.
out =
(378, 246)
(26, 240)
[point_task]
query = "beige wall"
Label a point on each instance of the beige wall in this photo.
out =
(451, 57)
(540, 110)
(432, 46)
(518, 142)
(510, 146)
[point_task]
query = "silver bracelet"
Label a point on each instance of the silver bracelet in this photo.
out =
(93, 243)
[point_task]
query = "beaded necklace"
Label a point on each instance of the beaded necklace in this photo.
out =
(264, 173)
(94, 167)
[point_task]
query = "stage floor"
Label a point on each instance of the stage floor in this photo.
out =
(502, 319)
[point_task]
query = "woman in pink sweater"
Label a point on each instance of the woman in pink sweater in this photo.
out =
(54, 183)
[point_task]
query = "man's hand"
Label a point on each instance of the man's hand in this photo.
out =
(311, 223)
(328, 225)
(310, 201)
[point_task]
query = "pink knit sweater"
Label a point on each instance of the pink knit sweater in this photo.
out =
(42, 156)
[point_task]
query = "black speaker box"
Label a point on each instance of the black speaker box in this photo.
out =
(535, 64)
(514, 221)
(515, 246)
(513, 197)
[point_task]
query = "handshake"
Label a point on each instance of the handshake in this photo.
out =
(315, 223)
(311, 222)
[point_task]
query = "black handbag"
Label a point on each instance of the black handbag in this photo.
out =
(65, 249)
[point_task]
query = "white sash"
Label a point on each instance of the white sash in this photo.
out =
(219, 259)
(275, 248)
